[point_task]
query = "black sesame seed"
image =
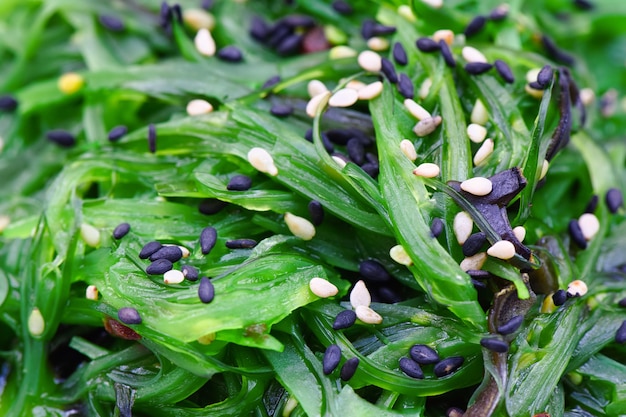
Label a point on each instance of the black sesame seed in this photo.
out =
(259, 29)
(511, 326)
(478, 274)
(328, 146)
(148, 249)
(8, 103)
(277, 33)
(505, 71)
(117, 132)
(241, 243)
(614, 200)
(535, 85)
(230, 53)
(576, 234)
(411, 368)
(494, 345)
(348, 369)
(112, 23)
(475, 26)
(388, 295)
(423, 354)
(281, 110)
(584, 4)
(356, 151)
(405, 86)
(332, 357)
(474, 243)
(158, 267)
(128, 315)
(559, 297)
(399, 54)
(592, 204)
(448, 366)
(371, 158)
(382, 30)
(210, 206)
(545, 76)
(298, 20)
(271, 82)
(344, 320)
(338, 136)
(436, 227)
(427, 45)
(206, 290)
(239, 183)
(367, 28)
(62, 138)
(191, 273)
(477, 68)
(447, 54)
(121, 230)
(499, 13)
(151, 138)
(620, 335)
(316, 211)
(165, 16)
(479, 285)
(171, 253)
(207, 4)
(389, 70)
(373, 271)
(177, 13)
(371, 169)
(555, 53)
(290, 44)
(622, 302)
(342, 7)
(208, 238)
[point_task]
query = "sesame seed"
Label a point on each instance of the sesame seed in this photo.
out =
(367, 28)
(555, 52)
(211, 206)
(576, 288)
(204, 42)
(91, 293)
(356, 151)
(121, 230)
(445, 35)
(423, 354)
(499, 13)
(520, 233)
(511, 326)
(261, 160)
(62, 138)
(587, 96)
(241, 243)
(447, 54)
(197, 19)
(378, 44)
(435, 4)
(322, 288)
(70, 83)
(545, 165)
(504, 71)
(345, 97)
(559, 297)
(271, 82)
(485, 150)
(478, 186)
(184, 251)
(471, 54)
(502, 249)
(290, 44)
(436, 227)
(477, 68)
(478, 274)
(589, 225)
(476, 133)
(191, 273)
(208, 239)
(495, 345)
(370, 91)
(592, 204)
(367, 315)
(341, 51)
(416, 110)
(90, 235)
(344, 319)
(427, 45)
(620, 334)
(535, 86)
(112, 23)
(584, 4)
(171, 252)
(36, 323)
(348, 369)
(427, 170)
(117, 133)
(405, 86)
(462, 226)
(448, 366)
(158, 267)
(408, 149)
(317, 103)
(360, 296)
(316, 211)
(425, 88)
(259, 29)
(8, 103)
(151, 138)
(427, 126)
(177, 13)
(342, 7)
(399, 54)
(544, 77)
(129, 315)
(371, 169)
(299, 226)
(198, 107)
(388, 70)
(315, 87)
(411, 368)
(357, 85)
(474, 244)
(148, 249)
(373, 271)
(206, 290)
(622, 303)
(472, 263)
(339, 161)
(173, 276)
(475, 26)
(614, 200)
(239, 183)
(230, 53)
(332, 357)
(399, 255)
(533, 92)
(370, 61)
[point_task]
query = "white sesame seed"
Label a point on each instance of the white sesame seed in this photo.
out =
(378, 44)
(290, 405)
(367, 315)
(462, 226)
(91, 293)
(471, 54)
(520, 233)
(173, 276)
(261, 159)
(479, 113)
(185, 251)
(370, 91)
(589, 225)
(478, 186)
(425, 88)
(587, 96)
(345, 97)
(204, 42)
(198, 18)
(316, 103)
(576, 288)
(406, 12)
(299, 226)
(544, 169)
(436, 4)
(427, 126)
(360, 295)
(427, 170)
(356, 85)
(315, 87)
(502, 249)
(531, 75)
(369, 61)
(198, 106)
(322, 288)
(477, 133)
(341, 162)
(416, 110)
(533, 92)
(90, 235)
(207, 339)
(445, 35)
(483, 152)
(399, 255)
(341, 51)
(4, 222)
(474, 262)
(408, 149)
(36, 323)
